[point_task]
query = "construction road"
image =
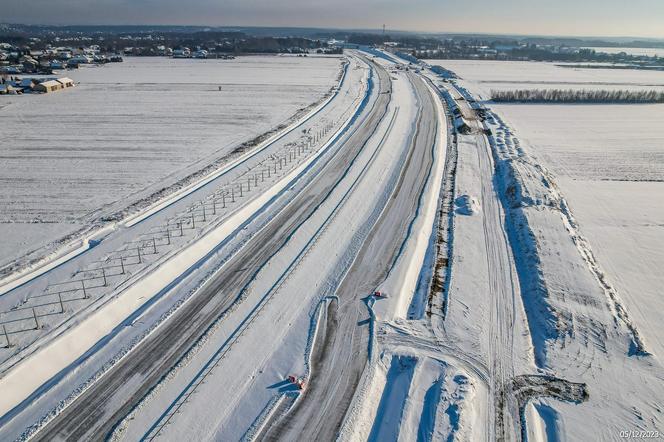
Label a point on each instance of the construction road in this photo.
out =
(342, 349)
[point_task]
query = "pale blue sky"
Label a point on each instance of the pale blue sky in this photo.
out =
(550, 17)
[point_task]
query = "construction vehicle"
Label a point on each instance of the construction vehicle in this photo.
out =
(300, 383)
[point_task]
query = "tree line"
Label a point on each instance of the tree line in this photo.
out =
(577, 96)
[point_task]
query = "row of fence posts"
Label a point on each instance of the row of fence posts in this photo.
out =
(268, 171)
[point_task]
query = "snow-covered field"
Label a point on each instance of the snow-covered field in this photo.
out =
(306, 142)
(609, 163)
(602, 168)
(486, 75)
(133, 128)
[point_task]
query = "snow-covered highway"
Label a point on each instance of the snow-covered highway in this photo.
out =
(341, 350)
(370, 178)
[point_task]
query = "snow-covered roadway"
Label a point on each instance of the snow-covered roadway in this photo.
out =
(320, 129)
(342, 351)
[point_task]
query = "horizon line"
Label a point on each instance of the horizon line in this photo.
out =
(364, 30)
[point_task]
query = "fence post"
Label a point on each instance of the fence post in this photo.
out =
(4, 329)
(34, 315)
(62, 307)
(138, 250)
(103, 274)
(85, 293)
(122, 264)
(154, 245)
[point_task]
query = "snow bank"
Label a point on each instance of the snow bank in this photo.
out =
(467, 205)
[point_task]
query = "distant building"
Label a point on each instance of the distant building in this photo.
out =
(182, 53)
(10, 70)
(80, 59)
(66, 82)
(27, 84)
(201, 53)
(6, 89)
(48, 86)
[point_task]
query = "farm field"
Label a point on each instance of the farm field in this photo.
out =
(485, 75)
(130, 129)
(608, 161)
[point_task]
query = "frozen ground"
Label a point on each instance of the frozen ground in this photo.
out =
(583, 185)
(485, 75)
(130, 129)
(609, 163)
(593, 142)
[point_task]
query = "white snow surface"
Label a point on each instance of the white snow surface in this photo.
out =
(114, 308)
(608, 161)
(254, 377)
(129, 129)
(481, 76)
